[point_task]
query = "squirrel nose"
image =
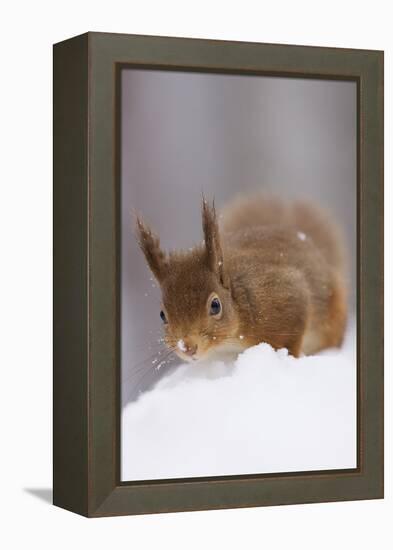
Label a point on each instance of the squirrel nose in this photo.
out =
(186, 347)
(191, 350)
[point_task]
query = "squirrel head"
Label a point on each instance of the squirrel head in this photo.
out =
(197, 311)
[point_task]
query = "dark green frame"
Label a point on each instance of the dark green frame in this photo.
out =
(86, 291)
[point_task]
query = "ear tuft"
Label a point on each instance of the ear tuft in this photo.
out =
(150, 246)
(214, 254)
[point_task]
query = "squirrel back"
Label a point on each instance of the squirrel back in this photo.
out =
(304, 216)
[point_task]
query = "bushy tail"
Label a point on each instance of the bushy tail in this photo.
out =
(302, 215)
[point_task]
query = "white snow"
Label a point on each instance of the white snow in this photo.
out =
(181, 345)
(266, 412)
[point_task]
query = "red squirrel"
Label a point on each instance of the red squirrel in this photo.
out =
(267, 271)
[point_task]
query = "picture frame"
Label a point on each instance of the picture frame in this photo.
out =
(86, 373)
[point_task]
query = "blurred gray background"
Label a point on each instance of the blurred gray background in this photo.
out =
(184, 133)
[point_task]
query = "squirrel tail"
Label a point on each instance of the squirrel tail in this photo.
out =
(302, 215)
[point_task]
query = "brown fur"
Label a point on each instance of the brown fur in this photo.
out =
(276, 268)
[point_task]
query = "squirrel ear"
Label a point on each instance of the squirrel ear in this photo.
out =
(214, 255)
(150, 246)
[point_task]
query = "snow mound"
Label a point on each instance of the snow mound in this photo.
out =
(266, 412)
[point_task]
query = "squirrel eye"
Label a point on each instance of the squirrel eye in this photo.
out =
(215, 306)
(163, 317)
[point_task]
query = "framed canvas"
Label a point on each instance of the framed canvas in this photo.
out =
(218, 274)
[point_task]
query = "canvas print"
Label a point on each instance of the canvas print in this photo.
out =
(237, 274)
